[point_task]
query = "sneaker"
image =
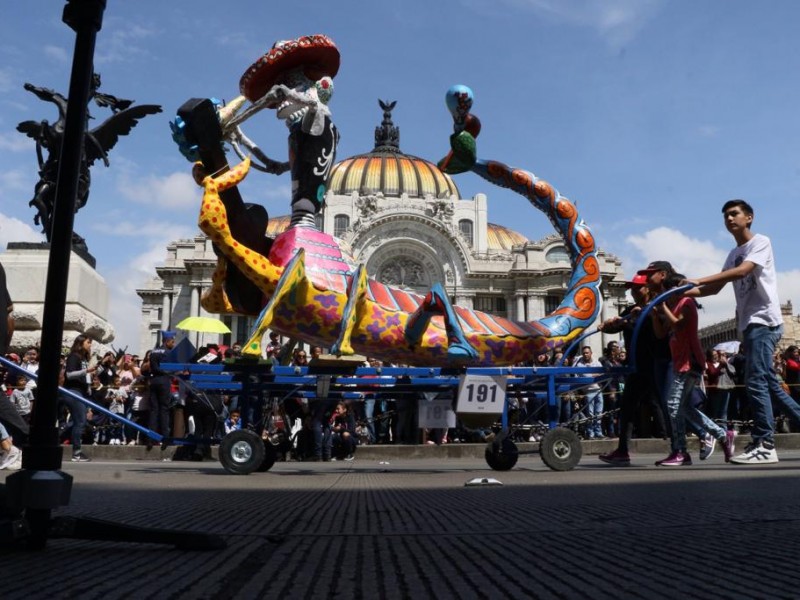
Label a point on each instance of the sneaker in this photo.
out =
(132, 443)
(80, 457)
(10, 458)
(349, 457)
(675, 459)
(707, 445)
(761, 453)
(16, 464)
(728, 444)
(616, 458)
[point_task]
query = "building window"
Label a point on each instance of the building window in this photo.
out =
(244, 325)
(341, 223)
(319, 221)
(557, 255)
(551, 303)
(465, 227)
(495, 305)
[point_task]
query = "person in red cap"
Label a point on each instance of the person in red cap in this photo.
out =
(640, 385)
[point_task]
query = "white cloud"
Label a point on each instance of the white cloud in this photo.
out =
(154, 229)
(617, 21)
(125, 306)
(123, 42)
(6, 81)
(175, 191)
(708, 131)
(57, 54)
(14, 230)
(17, 179)
(15, 143)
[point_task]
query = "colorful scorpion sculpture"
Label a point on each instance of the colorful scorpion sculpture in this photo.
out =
(313, 292)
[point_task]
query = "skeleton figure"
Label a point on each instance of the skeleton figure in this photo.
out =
(302, 104)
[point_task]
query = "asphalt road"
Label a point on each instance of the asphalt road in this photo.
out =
(412, 529)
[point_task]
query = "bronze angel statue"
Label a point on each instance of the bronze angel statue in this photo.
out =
(98, 142)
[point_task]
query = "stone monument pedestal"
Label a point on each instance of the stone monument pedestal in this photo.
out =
(87, 295)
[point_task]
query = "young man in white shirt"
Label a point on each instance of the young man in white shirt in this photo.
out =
(750, 266)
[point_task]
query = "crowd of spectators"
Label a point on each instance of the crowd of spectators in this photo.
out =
(120, 382)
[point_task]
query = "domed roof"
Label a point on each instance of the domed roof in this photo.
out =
(503, 238)
(388, 170)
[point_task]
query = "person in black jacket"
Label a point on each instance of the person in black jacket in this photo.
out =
(640, 384)
(160, 387)
(77, 376)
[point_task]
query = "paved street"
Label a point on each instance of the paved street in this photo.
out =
(411, 529)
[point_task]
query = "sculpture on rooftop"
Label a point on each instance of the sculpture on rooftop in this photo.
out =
(97, 144)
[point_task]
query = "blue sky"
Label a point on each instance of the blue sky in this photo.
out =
(648, 113)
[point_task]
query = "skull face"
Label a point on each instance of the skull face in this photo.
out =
(295, 94)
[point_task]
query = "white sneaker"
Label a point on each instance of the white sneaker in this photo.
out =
(762, 453)
(12, 459)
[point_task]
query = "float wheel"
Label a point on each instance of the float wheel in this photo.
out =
(561, 449)
(502, 454)
(242, 452)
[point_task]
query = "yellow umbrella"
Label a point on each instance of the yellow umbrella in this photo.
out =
(203, 325)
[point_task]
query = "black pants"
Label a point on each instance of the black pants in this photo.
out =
(160, 398)
(638, 388)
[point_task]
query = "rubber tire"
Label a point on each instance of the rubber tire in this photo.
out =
(561, 449)
(270, 456)
(501, 455)
(241, 452)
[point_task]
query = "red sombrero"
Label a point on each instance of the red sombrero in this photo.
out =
(317, 54)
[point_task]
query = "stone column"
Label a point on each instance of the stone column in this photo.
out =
(520, 314)
(535, 306)
(194, 309)
(166, 308)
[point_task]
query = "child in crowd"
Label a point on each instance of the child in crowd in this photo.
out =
(22, 397)
(233, 422)
(117, 398)
(342, 440)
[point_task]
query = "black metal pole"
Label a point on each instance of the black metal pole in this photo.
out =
(43, 452)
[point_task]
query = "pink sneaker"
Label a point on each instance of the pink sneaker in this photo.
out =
(616, 458)
(728, 444)
(676, 459)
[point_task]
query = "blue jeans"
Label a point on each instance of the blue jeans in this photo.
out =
(594, 408)
(77, 411)
(662, 380)
(761, 381)
(369, 413)
(682, 410)
(718, 400)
